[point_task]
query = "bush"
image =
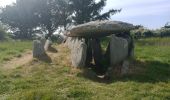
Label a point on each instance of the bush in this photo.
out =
(145, 33)
(164, 32)
(140, 33)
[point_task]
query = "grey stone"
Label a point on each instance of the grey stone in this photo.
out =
(48, 44)
(59, 38)
(38, 49)
(69, 42)
(43, 40)
(118, 50)
(98, 29)
(125, 67)
(78, 51)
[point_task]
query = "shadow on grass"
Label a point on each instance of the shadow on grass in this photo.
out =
(52, 49)
(148, 71)
(45, 58)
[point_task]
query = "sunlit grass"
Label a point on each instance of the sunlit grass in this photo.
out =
(58, 80)
(11, 49)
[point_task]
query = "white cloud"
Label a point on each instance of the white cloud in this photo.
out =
(144, 11)
(131, 8)
(151, 13)
(125, 3)
(6, 2)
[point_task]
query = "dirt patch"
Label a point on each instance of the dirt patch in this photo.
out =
(16, 62)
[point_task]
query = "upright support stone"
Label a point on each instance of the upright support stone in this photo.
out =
(78, 51)
(38, 49)
(118, 50)
(119, 53)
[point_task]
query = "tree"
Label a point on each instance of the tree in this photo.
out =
(20, 18)
(89, 10)
(54, 14)
(167, 25)
(27, 15)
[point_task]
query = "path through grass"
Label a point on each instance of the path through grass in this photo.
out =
(12, 49)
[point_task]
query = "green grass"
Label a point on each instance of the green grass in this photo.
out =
(13, 49)
(150, 79)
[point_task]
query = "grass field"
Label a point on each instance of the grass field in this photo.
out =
(12, 49)
(149, 79)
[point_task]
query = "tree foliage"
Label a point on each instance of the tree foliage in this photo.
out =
(167, 25)
(19, 18)
(26, 16)
(89, 10)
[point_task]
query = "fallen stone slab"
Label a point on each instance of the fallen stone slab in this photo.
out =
(98, 29)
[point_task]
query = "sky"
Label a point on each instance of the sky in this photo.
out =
(149, 13)
(6, 2)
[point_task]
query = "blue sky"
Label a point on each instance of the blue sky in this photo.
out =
(149, 13)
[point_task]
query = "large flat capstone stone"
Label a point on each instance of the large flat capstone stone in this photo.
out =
(98, 29)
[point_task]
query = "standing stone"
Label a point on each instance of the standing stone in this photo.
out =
(78, 51)
(118, 50)
(38, 49)
(43, 40)
(48, 44)
(69, 42)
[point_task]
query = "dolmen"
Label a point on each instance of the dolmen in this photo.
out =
(84, 41)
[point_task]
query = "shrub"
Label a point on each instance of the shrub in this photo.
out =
(146, 33)
(164, 32)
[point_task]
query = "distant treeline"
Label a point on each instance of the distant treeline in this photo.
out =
(142, 32)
